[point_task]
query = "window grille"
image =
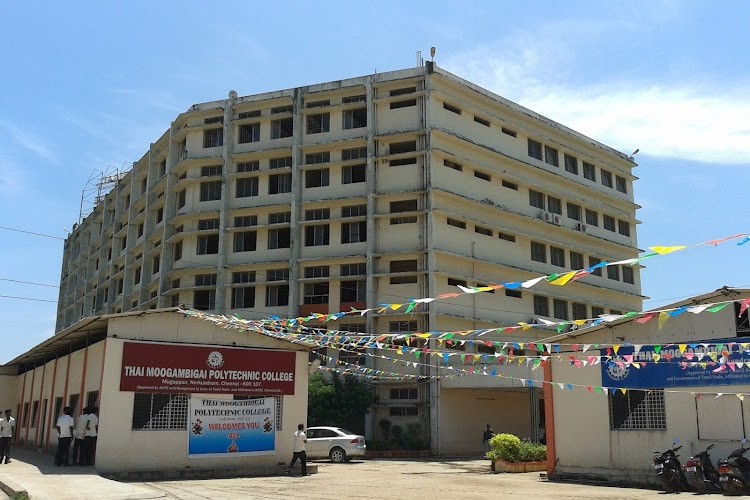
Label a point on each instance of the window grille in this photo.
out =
(637, 410)
(158, 412)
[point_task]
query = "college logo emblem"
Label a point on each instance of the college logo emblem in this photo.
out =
(215, 359)
(617, 369)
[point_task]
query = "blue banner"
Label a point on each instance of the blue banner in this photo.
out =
(676, 372)
(225, 427)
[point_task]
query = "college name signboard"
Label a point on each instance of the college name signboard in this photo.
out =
(171, 368)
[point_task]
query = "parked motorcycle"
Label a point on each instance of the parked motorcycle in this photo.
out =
(668, 469)
(734, 471)
(700, 472)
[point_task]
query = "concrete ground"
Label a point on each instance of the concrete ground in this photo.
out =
(359, 479)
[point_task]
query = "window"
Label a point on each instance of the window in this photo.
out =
(317, 214)
(606, 178)
(245, 241)
(243, 298)
(482, 121)
(621, 184)
(204, 300)
(456, 282)
(402, 326)
(205, 280)
(352, 174)
(279, 238)
(317, 272)
(279, 217)
(354, 291)
(285, 162)
(403, 206)
(160, 215)
(249, 133)
(317, 158)
(452, 109)
(541, 305)
(354, 232)
(247, 187)
(510, 185)
(357, 269)
(557, 256)
(208, 224)
(316, 293)
(483, 230)
(355, 118)
(243, 277)
(406, 103)
(574, 211)
(554, 205)
(318, 104)
(483, 176)
(506, 236)
(282, 128)
(642, 410)
(160, 412)
(277, 295)
(213, 138)
(410, 393)
(579, 310)
(623, 227)
(509, 132)
(613, 272)
(400, 148)
(277, 275)
(181, 198)
(316, 178)
(354, 211)
(594, 261)
(355, 98)
(456, 223)
(538, 252)
(214, 119)
(162, 168)
(516, 294)
(536, 199)
(589, 171)
(210, 191)
(571, 164)
(282, 109)
(560, 308)
(596, 311)
(535, 149)
(279, 183)
(317, 235)
(576, 260)
(403, 266)
(353, 154)
(403, 411)
(136, 275)
(246, 221)
(140, 230)
(609, 223)
(319, 123)
(551, 156)
(178, 250)
(248, 114)
(627, 275)
(592, 217)
(208, 244)
(453, 165)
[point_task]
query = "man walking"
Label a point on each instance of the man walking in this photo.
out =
(64, 427)
(7, 434)
(300, 439)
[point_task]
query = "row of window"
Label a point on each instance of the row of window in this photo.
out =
(574, 211)
(576, 262)
(560, 309)
(480, 175)
(550, 155)
(481, 230)
(478, 119)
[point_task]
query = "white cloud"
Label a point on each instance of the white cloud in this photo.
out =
(27, 141)
(697, 119)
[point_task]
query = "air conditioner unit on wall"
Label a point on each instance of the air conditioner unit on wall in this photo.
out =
(582, 227)
(546, 216)
(556, 219)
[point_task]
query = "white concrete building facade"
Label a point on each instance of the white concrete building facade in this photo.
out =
(365, 191)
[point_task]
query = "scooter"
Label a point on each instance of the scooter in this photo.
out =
(668, 469)
(734, 471)
(700, 472)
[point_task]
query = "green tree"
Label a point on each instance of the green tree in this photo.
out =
(343, 402)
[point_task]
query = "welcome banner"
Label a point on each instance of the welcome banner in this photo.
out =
(229, 428)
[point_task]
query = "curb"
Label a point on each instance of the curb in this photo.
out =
(12, 489)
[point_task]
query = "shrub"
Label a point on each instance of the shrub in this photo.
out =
(507, 446)
(397, 434)
(532, 452)
(414, 437)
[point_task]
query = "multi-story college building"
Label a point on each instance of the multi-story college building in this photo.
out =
(365, 191)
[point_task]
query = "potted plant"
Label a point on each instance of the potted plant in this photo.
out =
(510, 454)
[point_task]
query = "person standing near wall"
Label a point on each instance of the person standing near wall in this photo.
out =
(300, 440)
(78, 435)
(64, 428)
(7, 434)
(92, 431)
(486, 436)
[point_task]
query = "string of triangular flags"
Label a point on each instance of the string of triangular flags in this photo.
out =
(559, 279)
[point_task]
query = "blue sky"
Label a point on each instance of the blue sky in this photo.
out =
(87, 86)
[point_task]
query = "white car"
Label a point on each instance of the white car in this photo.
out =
(335, 443)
